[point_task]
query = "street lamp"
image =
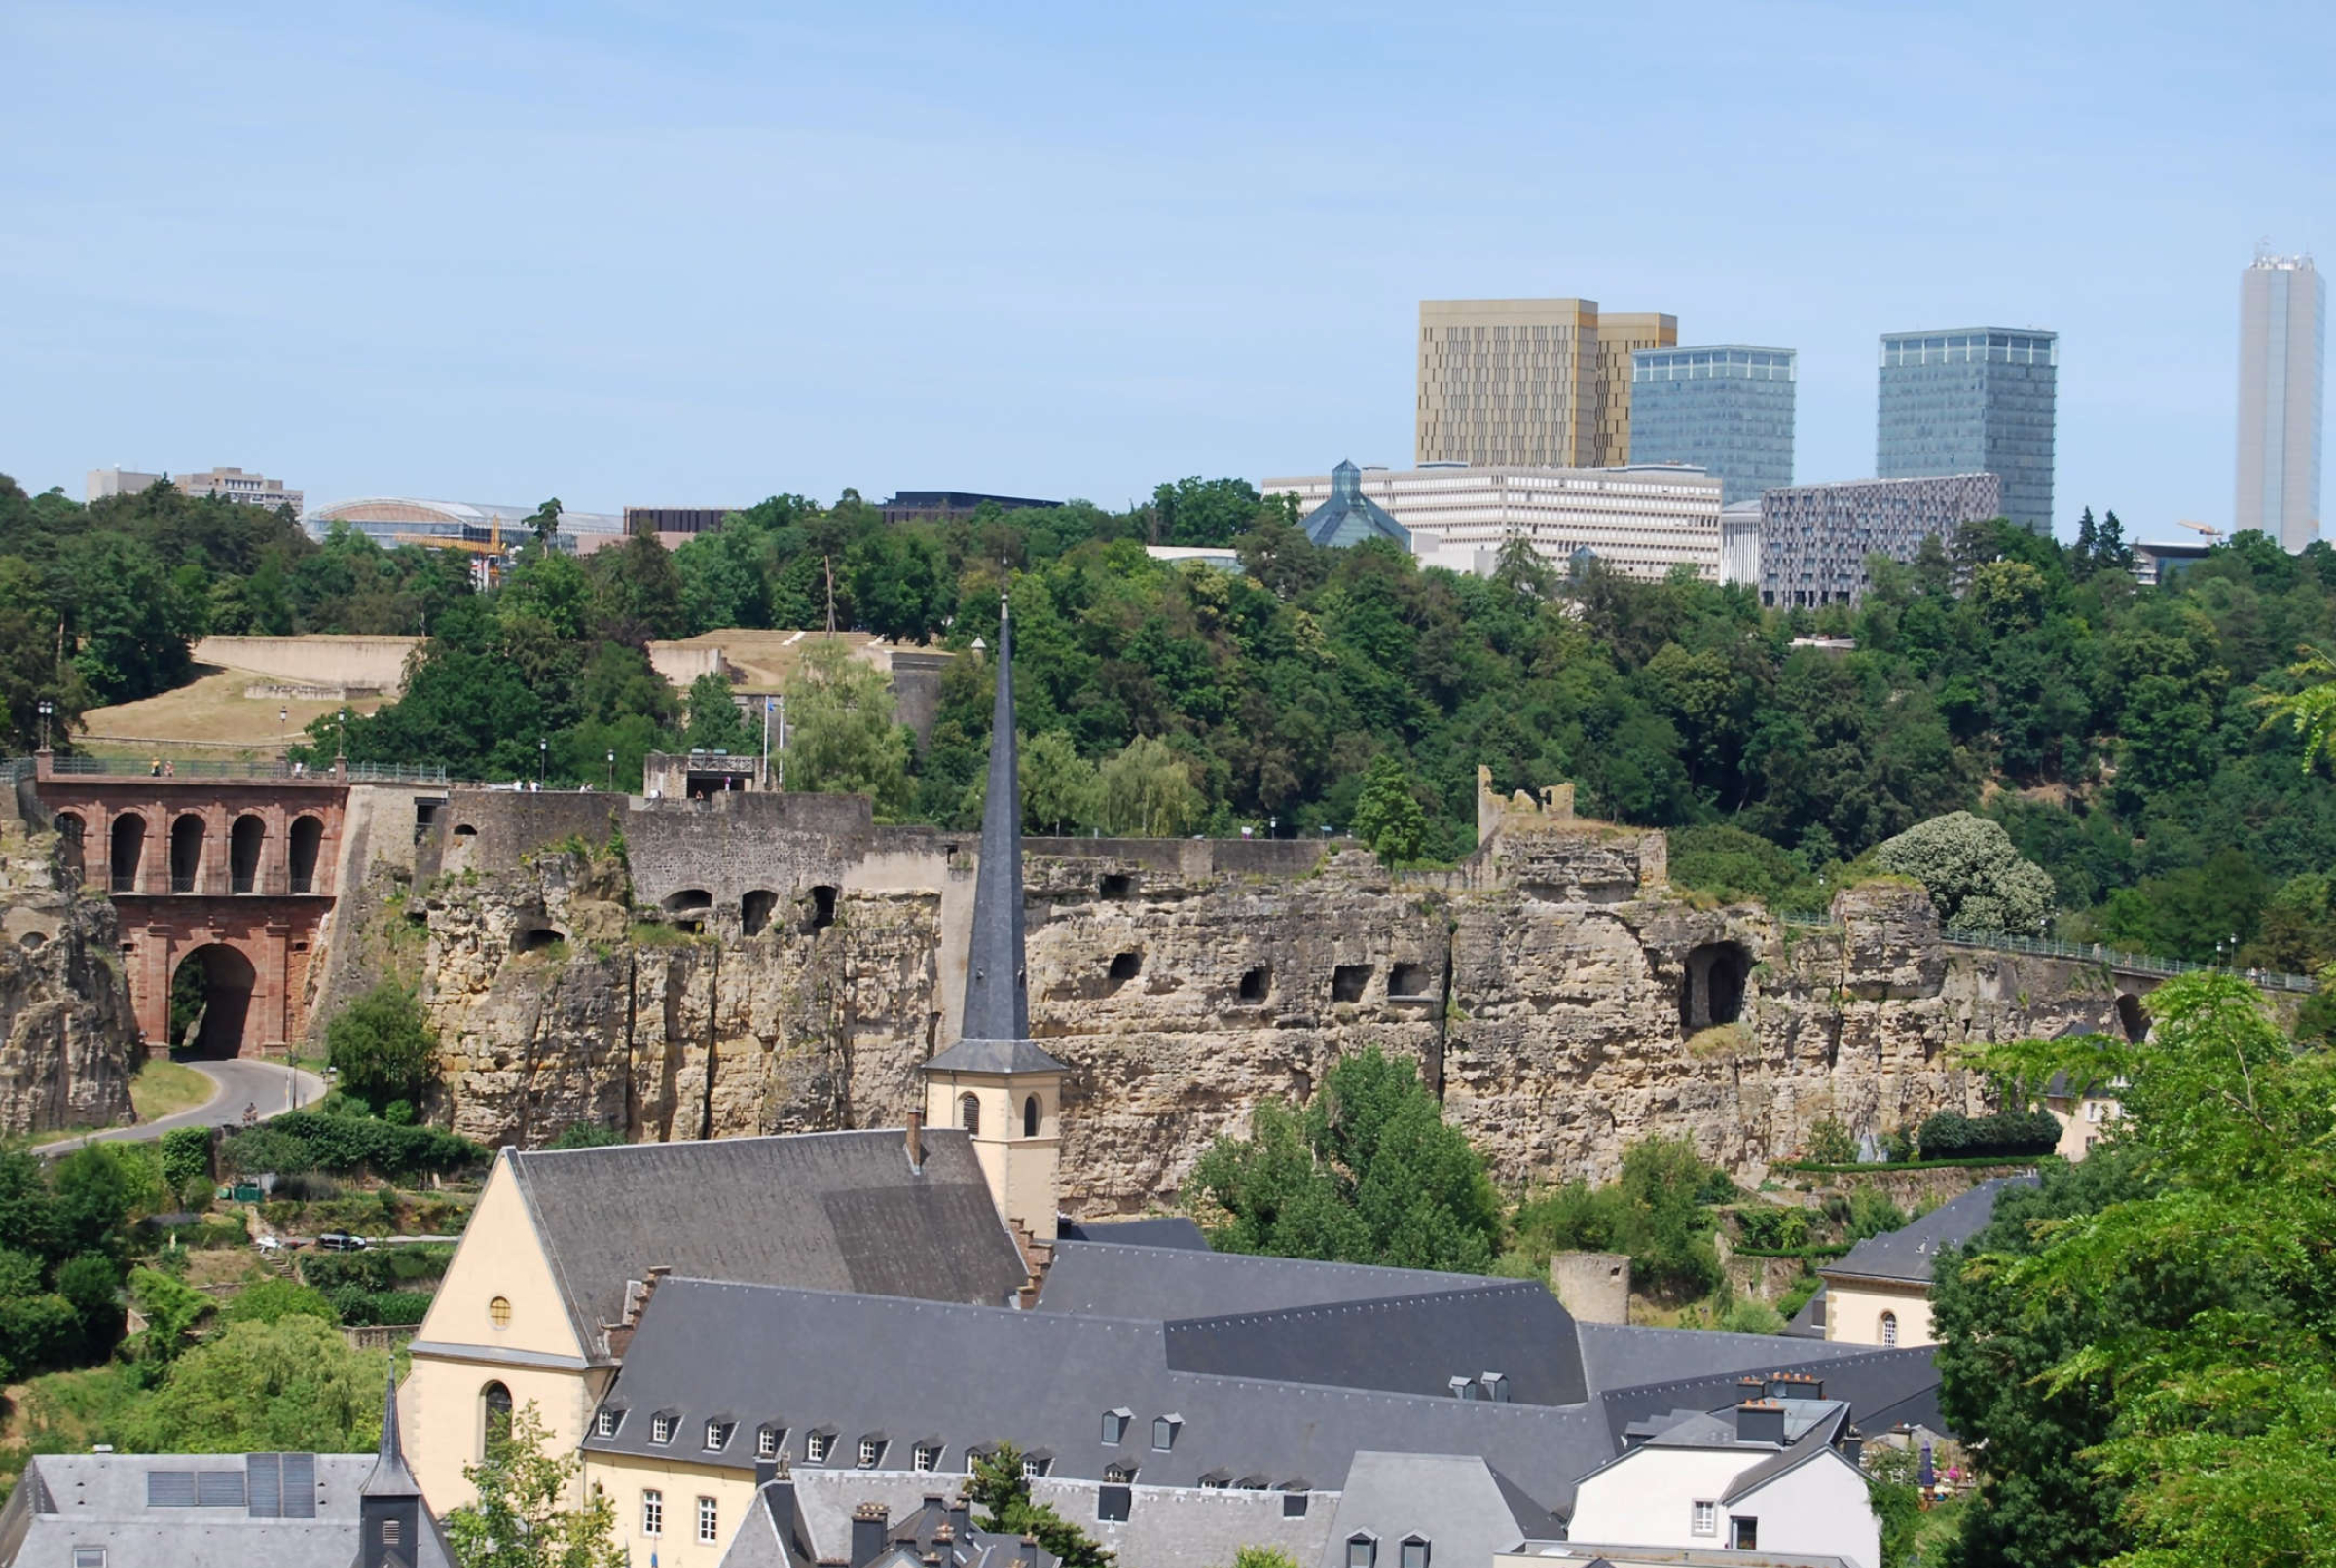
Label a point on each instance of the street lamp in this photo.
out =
(544, 759)
(613, 770)
(1271, 822)
(46, 707)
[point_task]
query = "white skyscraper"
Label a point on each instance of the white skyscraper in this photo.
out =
(2282, 352)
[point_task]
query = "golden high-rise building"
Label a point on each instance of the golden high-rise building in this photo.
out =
(1534, 383)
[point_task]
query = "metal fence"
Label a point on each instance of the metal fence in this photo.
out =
(2081, 952)
(127, 767)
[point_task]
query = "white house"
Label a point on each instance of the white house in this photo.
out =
(1774, 1476)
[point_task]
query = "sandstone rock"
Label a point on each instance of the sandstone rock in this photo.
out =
(67, 1035)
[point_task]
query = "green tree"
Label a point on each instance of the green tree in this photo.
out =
(1263, 1557)
(173, 1308)
(382, 1049)
(1387, 813)
(274, 1300)
(1974, 876)
(1000, 1490)
(520, 1517)
(840, 734)
(714, 722)
(1367, 1172)
(1148, 791)
(544, 521)
(291, 1385)
(1060, 790)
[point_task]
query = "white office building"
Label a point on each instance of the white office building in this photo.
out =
(1642, 521)
(2282, 356)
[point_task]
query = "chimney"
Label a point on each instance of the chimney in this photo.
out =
(961, 1517)
(766, 1471)
(1026, 1551)
(1756, 1421)
(1795, 1386)
(1853, 1447)
(944, 1544)
(780, 1498)
(868, 1533)
(916, 1140)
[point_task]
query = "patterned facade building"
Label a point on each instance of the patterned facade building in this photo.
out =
(1529, 383)
(1814, 538)
(1973, 400)
(1727, 409)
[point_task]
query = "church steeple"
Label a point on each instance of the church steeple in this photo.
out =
(997, 984)
(394, 1529)
(995, 1082)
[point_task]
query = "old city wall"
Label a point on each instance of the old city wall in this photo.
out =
(758, 963)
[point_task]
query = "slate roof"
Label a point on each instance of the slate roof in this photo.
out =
(1619, 1356)
(1414, 1344)
(839, 1210)
(1116, 1281)
(1152, 1230)
(1464, 1509)
(1882, 1387)
(994, 1056)
(997, 986)
(1809, 1321)
(1909, 1255)
(101, 1499)
(968, 1375)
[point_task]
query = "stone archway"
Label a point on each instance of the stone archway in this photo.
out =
(215, 984)
(1713, 990)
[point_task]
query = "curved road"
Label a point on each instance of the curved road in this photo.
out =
(269, 1086)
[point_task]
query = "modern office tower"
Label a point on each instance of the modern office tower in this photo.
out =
(1972, 400)
(2282, 353)
(1529, 383)
(1639, 521)
(1814, 538)
(1727, 409)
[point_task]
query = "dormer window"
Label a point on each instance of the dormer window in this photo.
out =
(818, 1445)
(1362, 1550)
(1114, 1427)
(661, 1428)
(1163, 1432)
(604, 1424)
(871, 1450)
(1118, 1475)
(1415, 1553)
(767, 1442)
(926, 1456)
(718, 1436)
(1033, 1466)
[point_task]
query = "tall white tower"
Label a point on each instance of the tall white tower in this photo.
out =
(2282, 356)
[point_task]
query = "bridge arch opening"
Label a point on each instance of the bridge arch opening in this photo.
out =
(1713, 992)
(70, 833)
(128, 844)
(307, 835)
(185, 853)
(210, 1002)
(245, 841)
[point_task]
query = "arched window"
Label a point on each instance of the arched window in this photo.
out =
(128, 834)
(496, 1428)
(968, 1113)
(70, 831)
(1889, 1328)
(245, 841)
(1030, 1116)
(307, 839)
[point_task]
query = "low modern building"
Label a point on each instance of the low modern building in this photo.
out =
(948, 505)
(1727, 409)
(1879, 1292)
(675, 526)
(106, 483)
(1640, 522)
(473, 526)
(1814, 539)
(2159, 562)
(221, 484)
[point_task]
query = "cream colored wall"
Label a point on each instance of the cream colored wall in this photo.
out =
(1023, 1172)
(499, 1255)
(625, 1477)
(1853, 1314)
(2078, 1131)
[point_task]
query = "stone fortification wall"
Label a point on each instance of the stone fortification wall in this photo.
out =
(68, 1038)
(321, 659)
(1561, 998)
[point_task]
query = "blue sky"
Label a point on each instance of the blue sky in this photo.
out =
(696, 255)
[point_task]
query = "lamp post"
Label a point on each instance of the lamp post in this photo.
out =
(1271, 822)
(613, 770)
(46, 707)
(543, 760)
(341, 747)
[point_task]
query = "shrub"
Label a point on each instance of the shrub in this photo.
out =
(304, 1141)
(2011, 1134)
(273, 1300)
(1770, 1228)
(586, 1135)
(381, 1047)
(186, 1157)
(362, 1308)
(1830, 1143)
(1974, 876)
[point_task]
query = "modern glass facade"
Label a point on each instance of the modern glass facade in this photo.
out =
(1973, 400)
(1727, 409)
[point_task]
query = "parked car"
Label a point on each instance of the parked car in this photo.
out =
(270, 1246)
(340, 1241)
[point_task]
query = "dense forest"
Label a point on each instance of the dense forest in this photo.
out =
(2113, 729)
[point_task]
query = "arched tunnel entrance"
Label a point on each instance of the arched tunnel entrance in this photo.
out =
(1713, 990)
(211, 1001)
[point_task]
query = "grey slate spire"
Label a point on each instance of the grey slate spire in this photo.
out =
(997, 988)
(389, 1476)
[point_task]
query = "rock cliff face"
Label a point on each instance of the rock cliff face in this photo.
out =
(1562, 999)
(67, 1035)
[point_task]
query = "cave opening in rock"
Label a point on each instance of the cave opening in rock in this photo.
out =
(1257, 984)
(1117, 884)
(754, 911)
(821, 913)
(2132, 1018)
(1124, 967)
(1410, 981)
(1347, 981)
(1713, 990)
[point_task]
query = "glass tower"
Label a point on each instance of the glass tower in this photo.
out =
(1727, 409)
(1972, 400)
(2282, 352)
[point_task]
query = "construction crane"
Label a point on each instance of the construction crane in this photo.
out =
(2206, 530)
(488, 550)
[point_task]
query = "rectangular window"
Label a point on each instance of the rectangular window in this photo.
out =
(1163, 1433)
(1744, 1534)
(1032, 1468)
(1361, 1551)
(710, 1522)
(869, 1451)
(766, 1442)
(1415, 1554)
(718, 1436)
(816, 1446)
(89, 1557)
(926, 1455)
(1706, 1518)
(661, 1428)
(604, 1424)
(1114, 1427)
(652, 1513)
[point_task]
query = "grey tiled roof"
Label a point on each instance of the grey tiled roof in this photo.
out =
(840, 1211)
(1617, 1356)
(1152, 1230)
(1882, 1387)
(994, 1056)
(996, 979)
(1114, 1281)
(968, 1375)
(1910, 1253)
(1464, 1509)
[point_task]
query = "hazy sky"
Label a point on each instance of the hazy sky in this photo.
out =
(698, 254)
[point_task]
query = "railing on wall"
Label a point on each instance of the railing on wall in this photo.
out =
(124, 767)
(2082, 952)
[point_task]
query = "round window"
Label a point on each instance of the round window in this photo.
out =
(498, 1312)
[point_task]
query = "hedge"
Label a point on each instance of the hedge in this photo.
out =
(1810, 1167)
(306, 1141)
(2017, 1134)
(360, 1307)
(377, 1268)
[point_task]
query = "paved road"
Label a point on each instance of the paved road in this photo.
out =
(265, 1086)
